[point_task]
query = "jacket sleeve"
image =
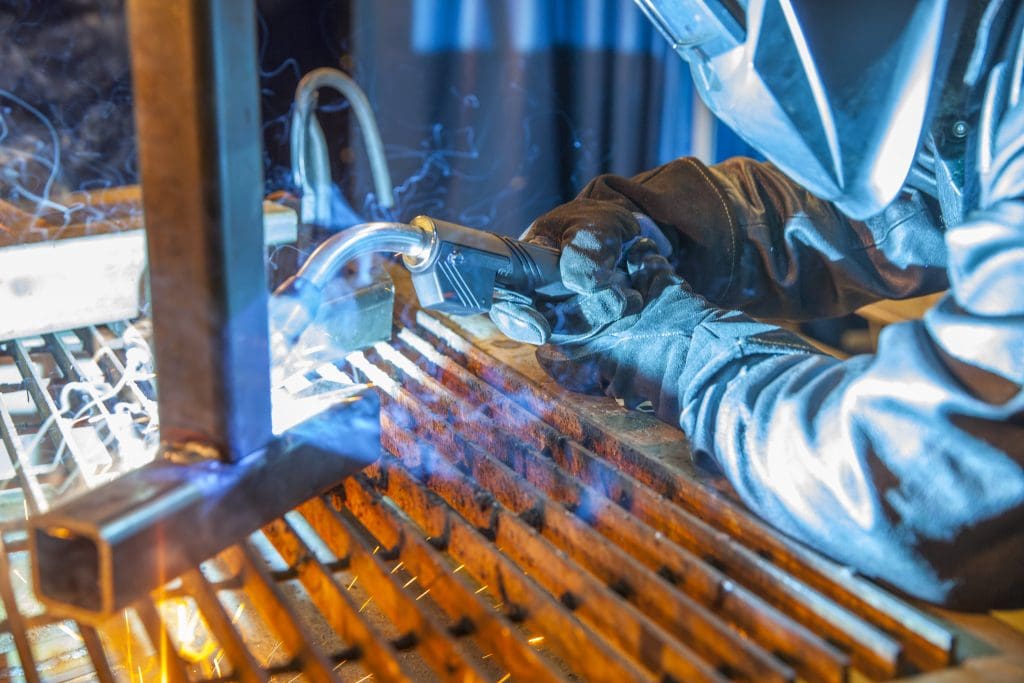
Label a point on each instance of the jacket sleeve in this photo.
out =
(746, 237)
(907, 464)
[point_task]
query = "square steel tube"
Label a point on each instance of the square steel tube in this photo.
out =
(104, 550)
(195, 77)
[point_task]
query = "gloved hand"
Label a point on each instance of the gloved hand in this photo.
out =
(639, 357)
(592, 236)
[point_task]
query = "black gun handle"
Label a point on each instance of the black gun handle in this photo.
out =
(462, 267)
(532, 269)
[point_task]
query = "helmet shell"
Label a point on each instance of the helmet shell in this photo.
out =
(836, 94)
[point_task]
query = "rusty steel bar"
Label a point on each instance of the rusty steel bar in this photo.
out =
(812, 656)
(244, 666)
(874, 652)
(272, 605)
(669, 608)
(462, 604)
(438, 647)
(570, 638)
(928, 643)
(379, 654)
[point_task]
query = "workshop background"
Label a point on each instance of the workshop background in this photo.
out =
(492, 111)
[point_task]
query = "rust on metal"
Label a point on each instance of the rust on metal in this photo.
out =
(508, 532)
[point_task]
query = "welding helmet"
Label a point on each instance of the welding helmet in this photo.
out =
(836, 94)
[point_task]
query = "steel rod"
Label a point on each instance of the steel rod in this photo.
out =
(377, 653)
(394, 531)
(273, 606)
(438, 647)
(928, 643)
(243, 664)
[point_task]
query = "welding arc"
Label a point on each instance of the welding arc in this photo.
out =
(295, 303)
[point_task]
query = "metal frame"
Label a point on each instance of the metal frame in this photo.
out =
(201, 164)
(221, 473)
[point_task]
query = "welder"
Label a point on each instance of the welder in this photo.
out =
(894, 133)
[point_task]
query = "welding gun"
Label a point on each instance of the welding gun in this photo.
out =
(455, 269)
(460, 268)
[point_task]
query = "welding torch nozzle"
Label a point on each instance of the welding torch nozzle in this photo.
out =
(454, 268)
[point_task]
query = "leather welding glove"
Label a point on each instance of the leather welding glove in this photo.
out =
(593, 236)
(637, 357)
(747, 238)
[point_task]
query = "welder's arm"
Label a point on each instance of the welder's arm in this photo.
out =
(908, 464)
(747, 237)
(890, 463)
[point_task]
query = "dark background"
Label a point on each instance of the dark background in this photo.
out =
(492, 111)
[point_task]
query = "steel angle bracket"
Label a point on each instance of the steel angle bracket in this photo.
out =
(106, 549)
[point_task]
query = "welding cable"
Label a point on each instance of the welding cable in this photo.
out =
(308, 145)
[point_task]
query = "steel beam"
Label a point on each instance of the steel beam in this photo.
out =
(103, 551)
(197, 111)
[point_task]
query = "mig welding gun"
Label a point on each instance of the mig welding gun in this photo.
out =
(455, 269)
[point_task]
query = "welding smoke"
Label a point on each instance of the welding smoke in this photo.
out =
(65, 100)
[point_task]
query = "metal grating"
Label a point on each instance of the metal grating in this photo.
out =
(504, 536)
